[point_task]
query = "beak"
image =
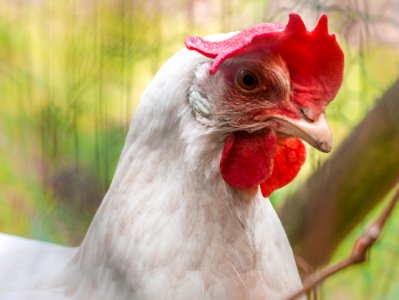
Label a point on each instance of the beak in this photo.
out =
(316, 132)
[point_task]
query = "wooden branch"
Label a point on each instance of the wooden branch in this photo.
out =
(359, 252)
(306, 270)
(347, 186)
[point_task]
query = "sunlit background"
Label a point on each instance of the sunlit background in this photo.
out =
(71, 76)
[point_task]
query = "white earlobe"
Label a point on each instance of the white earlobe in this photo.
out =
(199, 102)
(200, 106)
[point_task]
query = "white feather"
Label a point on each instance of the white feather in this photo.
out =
(169, 227)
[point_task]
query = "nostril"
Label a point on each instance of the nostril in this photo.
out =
(307, 114)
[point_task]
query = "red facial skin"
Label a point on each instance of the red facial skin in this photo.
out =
(263, 157)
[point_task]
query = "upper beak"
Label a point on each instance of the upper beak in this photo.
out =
(316, 132)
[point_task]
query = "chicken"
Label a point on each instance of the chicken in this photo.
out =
(218, 129)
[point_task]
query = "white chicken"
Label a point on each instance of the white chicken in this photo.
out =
(184, 217)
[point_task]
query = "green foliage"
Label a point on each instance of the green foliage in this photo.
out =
(66, 84)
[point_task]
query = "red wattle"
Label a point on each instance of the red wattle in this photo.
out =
(247, 158)
(288, 159)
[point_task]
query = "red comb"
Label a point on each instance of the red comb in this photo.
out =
(314, 59)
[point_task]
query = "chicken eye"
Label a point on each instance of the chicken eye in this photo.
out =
(247, 80)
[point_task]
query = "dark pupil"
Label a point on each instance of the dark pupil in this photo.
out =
(249, 80)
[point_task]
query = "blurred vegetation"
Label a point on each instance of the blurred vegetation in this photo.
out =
(71, 75)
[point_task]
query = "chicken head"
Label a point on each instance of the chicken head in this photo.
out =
(265, 90)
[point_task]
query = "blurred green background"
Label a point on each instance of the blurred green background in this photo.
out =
(71, 76)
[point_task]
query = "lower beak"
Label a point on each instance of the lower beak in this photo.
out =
(316, 132)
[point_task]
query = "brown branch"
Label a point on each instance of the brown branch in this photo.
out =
(306, 270)
(359, 252)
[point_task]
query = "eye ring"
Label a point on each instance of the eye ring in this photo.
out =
(247, 80)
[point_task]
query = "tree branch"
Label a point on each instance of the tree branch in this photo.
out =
(359, 252)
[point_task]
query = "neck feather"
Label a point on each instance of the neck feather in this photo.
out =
(170, 219)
